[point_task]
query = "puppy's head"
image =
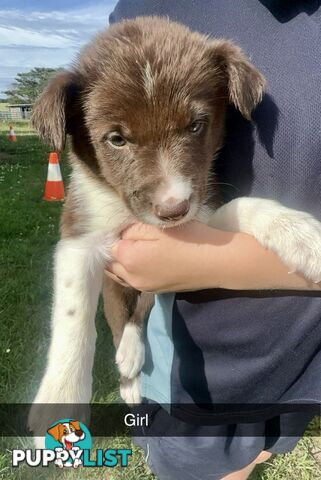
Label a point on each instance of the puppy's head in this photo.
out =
(145, 108)
(67, 433)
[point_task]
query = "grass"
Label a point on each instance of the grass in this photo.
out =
(22, 127)
(3, 106)
(29, 231)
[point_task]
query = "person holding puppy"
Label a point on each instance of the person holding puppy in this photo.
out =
(242, 330)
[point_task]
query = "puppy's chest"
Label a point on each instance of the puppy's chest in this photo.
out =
(97, 207)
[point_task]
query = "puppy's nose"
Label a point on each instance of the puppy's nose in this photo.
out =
(172, 209)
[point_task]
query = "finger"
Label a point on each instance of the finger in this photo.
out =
(118, 249)
(140, 231)
(117, 269)
(116, 279)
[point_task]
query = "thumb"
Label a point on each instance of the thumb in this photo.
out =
(121, 249)
(140, 231)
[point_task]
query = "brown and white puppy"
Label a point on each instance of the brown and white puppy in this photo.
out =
(144, 106)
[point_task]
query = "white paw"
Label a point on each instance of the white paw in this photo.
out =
(130, 390)
(130, 355)
(296, 238)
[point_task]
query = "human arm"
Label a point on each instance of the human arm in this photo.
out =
(195, 256)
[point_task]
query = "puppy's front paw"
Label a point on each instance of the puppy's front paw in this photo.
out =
(296, 238)
(130, 390)
(130, 355)
(55, 400)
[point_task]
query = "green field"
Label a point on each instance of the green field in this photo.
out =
(29, 231)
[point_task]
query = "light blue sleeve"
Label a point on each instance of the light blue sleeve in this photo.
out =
(156, 374)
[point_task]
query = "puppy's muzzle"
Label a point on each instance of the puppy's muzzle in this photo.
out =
(172, 209)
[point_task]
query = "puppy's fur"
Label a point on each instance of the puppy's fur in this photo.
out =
(144, 107)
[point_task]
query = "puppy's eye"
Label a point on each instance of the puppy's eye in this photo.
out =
(195, 127)
(65, 431)
(116, 140)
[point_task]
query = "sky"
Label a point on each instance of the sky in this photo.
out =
(46, 33)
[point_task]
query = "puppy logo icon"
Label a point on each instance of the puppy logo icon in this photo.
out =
(68, 444)
(68, 438)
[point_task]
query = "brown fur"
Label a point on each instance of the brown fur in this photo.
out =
(129, 304)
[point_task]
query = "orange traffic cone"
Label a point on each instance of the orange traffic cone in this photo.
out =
(54, 189)
(12, 136)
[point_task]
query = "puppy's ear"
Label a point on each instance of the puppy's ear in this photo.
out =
(53, 110)
(245, 83)
(55, 431)
(75, 424)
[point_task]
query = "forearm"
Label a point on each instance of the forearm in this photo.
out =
(237, 261)
(195, 256)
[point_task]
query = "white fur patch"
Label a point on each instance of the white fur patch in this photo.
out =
(103, 209)
(130, 391)
(77, 284)
(130, 354)
(175, 187)
(149, 80)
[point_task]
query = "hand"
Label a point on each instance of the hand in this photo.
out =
(194, 256)
(155, 260)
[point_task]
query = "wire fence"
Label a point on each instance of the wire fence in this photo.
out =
(21, 128)
(14, 116)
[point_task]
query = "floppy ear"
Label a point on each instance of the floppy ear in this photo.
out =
(55, 431)
(53, 110)
(245, 83)
(75, 424)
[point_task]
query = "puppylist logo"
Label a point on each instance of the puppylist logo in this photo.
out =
(68, 444)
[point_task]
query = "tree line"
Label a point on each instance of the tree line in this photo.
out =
(28, 85)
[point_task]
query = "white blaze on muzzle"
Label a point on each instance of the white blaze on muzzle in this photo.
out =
(172, 198)
(178, 188)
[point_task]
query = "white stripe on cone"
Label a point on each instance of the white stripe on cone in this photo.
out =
(54, 173)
